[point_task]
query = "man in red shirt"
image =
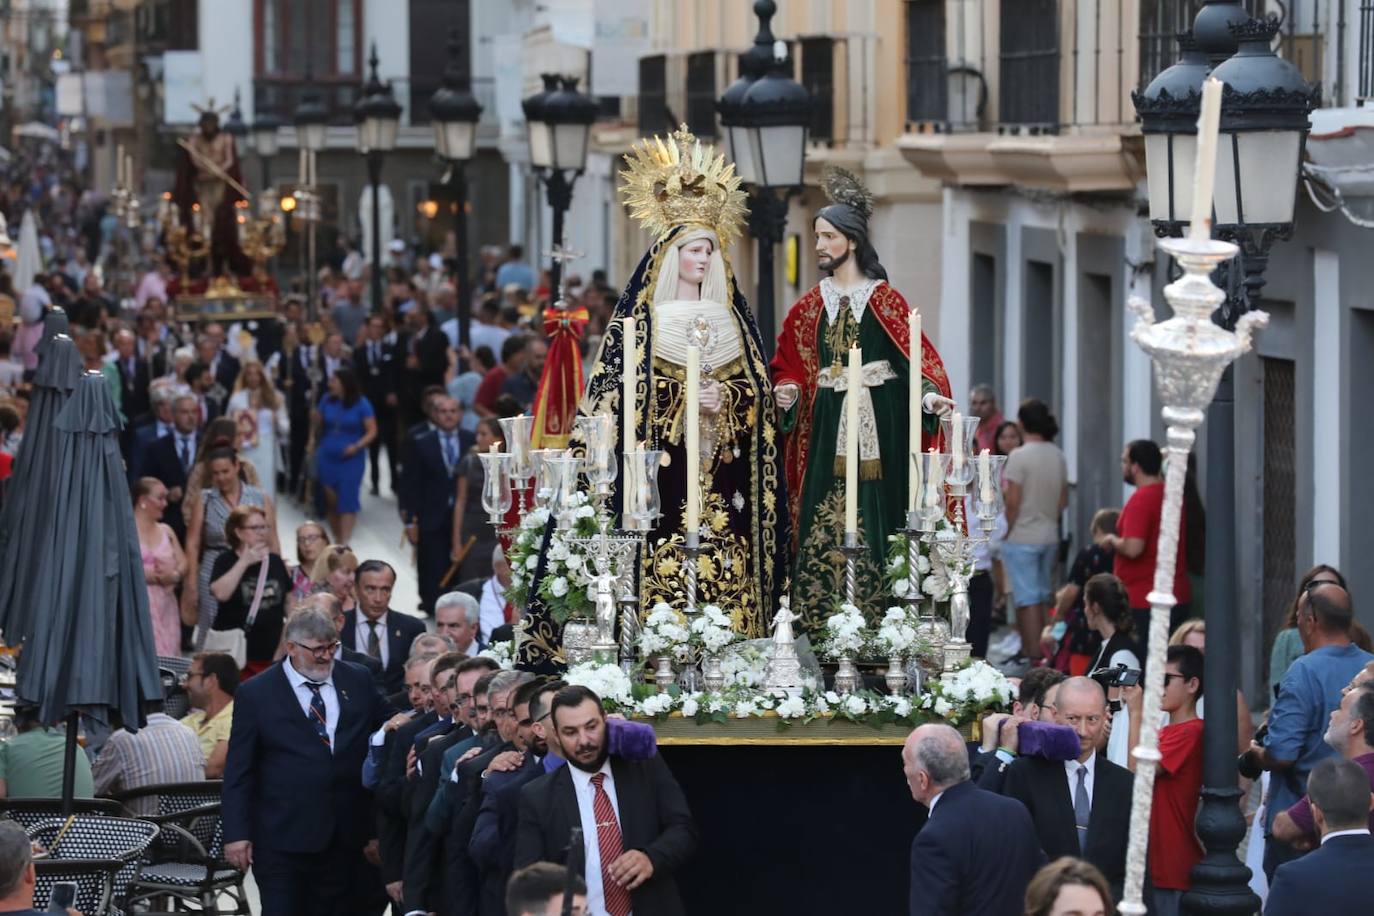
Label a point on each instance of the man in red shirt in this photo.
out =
(1174, 846)
(1137, 538)
(512, 361)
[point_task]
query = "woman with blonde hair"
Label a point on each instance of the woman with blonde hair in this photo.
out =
(311, 541)
(163, 563)
(334, 574)
(251, 585)
(256, 397)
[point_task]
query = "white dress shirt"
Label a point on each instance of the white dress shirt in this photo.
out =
(491, 609)
(304, 695)
(1071, 771)
(363, 630)
(933, 802)
(1354, 831)
(586, 796)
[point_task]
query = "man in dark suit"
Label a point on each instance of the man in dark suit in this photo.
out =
(977, 852)
(377, 630)
(1082, 807)
(210, 395)
(170, 458)
(427, 496)
(224, 366)
(426, 361)
(302, 377)
(1034, 703)
(633, 809)
(294, 809)
(133, 375)
(1332, 878)
(149, 428)
(379, 373)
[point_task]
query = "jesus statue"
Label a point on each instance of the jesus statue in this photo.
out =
(853, 305)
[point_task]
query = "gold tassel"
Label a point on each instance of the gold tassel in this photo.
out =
(869, 468)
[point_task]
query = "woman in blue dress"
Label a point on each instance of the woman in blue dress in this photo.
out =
(345, 426)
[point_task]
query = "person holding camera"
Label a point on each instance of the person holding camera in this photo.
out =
(1309, 692)
(1001, 731)
(1107, 612)
(1174, 846)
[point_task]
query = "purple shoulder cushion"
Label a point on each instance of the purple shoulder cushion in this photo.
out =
(637, 741)
(1045, 739)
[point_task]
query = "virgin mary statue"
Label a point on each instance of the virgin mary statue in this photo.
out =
(682, 292)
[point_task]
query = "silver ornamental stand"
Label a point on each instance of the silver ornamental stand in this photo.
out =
(847, 678)
(1190, 353)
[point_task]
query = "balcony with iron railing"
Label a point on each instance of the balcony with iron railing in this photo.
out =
(1031, 92)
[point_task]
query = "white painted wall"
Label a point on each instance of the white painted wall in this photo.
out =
(226, 49)
(387, 23)
(1327, 373)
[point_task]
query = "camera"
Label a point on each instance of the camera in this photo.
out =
(1120, 676)
(1247, 764)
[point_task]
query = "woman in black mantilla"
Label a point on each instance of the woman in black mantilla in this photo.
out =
(689, 198)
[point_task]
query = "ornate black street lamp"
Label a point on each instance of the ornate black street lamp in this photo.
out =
(559, 121)
(454, 113)
(1264, 122)
(379, 118)
(766, 115)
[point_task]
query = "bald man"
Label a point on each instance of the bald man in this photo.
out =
(1080, 807)
(977, 852)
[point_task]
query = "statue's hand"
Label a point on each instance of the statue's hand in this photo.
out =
(710, 398)
(937, 404)
(786, 395)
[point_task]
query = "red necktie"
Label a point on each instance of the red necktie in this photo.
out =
(609, 842)
(509, 611)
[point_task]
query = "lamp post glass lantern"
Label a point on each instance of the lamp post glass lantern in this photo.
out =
(266, 144)
(766, 114)
(379, 118)
(559, 122)
(454, 113)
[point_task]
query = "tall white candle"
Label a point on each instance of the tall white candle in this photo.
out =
(933, 481)
(628, 368)
(693, 438)
(851, 442)
(1208, 123)
(914, 409)
(300, 169)
(985, 475)
(956, 447)
(311, 176)
(129, 169)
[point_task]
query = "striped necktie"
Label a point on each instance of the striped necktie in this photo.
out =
(317, 713)
(611, 845)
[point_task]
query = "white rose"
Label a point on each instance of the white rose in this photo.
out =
(901, 587)
(942, 706)
(745, 708)
(855, 705)
(532, 561)
(922, 565)
(832, 698)
(558, 587)
(792, 708)
(585, 512)
(689, 705)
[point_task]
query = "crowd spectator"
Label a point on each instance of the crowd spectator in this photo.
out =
(1288, 645)
(513, 355)
(206, 536)
(1036, 483)
(211, 681)
(378, 369)
(523, 385)
(427, 495)
(255, 396)
(982, 403)
(346, 427)
(1332, 878)
(494, 609)
(1351, 734)
(515, 272)
(1073, 643)
(456, 616)
(334, 574)
(18, 878)
(1193, 633)
(1137, 538)
(164, 564)
(1107, 614)
(1079, 807)
(1174, 846)
(1069, 887)
(251, 587)
(1310, 690)
(539, 890)
(376, 629)
(311, 540)
(977, 851)
(474, 538)
(171, 457)
(161, 751)
(32, 761)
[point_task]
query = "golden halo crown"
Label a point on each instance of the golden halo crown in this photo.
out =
(682, 182)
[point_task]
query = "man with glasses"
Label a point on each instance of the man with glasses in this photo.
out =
(1091, 820)
(210, 684)
(294, 808)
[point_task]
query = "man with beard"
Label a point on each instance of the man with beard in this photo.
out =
(630, 861)
(294, 809)
(854, 306)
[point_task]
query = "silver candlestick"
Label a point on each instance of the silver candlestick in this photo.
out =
(1189, 352)
(691, 550)
(851, 550)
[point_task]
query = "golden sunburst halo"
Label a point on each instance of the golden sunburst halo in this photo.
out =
(682, 182)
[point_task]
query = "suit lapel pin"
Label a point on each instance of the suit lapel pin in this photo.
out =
(343, 693)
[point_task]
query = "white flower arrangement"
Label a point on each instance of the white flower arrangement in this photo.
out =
(846, 632)
(664, 632)
(896, 633)
(744, 666)
(967, 693)
(606, 681)
(930, 574)
(503, 653)
(712, 631)
(565, 588)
